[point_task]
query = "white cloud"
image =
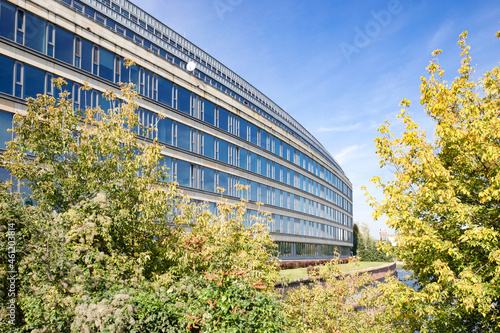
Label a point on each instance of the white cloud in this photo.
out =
(339, 128)
(346, 153)
(441, 35)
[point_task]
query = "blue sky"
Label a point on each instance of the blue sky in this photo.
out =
(340, 68)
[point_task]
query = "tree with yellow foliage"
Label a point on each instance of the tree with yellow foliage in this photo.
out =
(444, 203)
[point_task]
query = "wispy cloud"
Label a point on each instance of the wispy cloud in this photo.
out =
(339, 128)
(346, 153)
(441, 35)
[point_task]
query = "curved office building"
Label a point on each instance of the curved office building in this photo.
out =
(218, 130)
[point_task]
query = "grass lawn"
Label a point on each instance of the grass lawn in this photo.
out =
(297, 273)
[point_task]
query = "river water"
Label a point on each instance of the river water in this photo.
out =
(406, 277)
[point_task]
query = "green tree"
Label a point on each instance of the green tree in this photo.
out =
(444, 202)
(367, 246)
(355, 239)
(101, 249)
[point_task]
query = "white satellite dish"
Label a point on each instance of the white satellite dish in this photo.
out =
(191, 66)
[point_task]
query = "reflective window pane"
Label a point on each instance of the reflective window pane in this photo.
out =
(183, 100)
(183, 136)
(6, 74)
(263, 193)
(64, 46)
(253, 133)
(243, 129)
(167, 162)
(86, 58)
(183, 173)
(243, 158)
(253, 162)
(7, 20)
(253, 191)
(263, 139)
(36, 79)
(5, 124)
(4, 174)
(209, 112)
(106, 64)
(35, 33)
(164, 91)
(165, 131)
(223, 146)
(263, 166)
(223, 181)
(209, 180)
(223, 115)
(208, 144)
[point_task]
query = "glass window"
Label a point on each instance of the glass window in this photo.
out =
(36, 79)
(208, 146)
(7, 20)
(285, 225)
(86, 55)
(95, 59)
(6, 74)
(18, 79)
(50, 39)
(20, 27)
(283, 150)
(223, 146)
(106, 64)
(277, 146)
(4, 174)
(165, 131)
(183, 136)
(209, 112)
(253, 133)
(243, 159)
(183, 100)
(118, 67)
(253, 162)
(49, 87)
(5, 124)
(183, 173)
(165, 91)
(263, 139)
(243, 129)
(78, 52)
(133, 75)
(253, 191)
(35, 33)
(104, 103)
(263, 166)
(101, 19)
(223, 117)
(110, 24)
(68, 87)
(167, 161)
(263, 194)
(209, 180)
(88, 98)
(277, 168)
(223, 180)
(64, 46)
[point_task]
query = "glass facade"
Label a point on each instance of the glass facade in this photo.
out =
(312, 196)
